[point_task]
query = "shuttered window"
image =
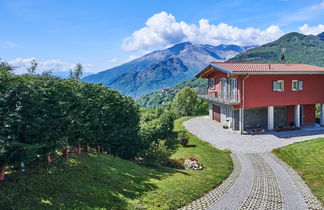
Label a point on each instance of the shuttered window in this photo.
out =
(297, 85)
(278, 85)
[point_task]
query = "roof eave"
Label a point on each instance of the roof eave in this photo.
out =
(274, 72)
(216, 67)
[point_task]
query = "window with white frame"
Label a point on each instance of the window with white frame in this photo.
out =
(297, 85)
(211, 83)
(278, 85)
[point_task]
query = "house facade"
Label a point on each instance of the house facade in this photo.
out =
(245, 96)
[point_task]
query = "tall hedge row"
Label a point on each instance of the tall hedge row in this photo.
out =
(41, 115)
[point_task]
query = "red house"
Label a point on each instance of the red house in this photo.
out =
(245, 96)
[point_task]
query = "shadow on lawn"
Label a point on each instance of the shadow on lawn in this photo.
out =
(81, 182)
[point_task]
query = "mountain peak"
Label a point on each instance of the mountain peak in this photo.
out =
(321, 36)
(177, 48)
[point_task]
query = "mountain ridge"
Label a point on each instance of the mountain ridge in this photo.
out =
(164, 96)
(193, 57)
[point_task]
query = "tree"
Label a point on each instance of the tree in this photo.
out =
(77, 73)
(5, 69)
(185, 102)
(47, 73)
(32, 69)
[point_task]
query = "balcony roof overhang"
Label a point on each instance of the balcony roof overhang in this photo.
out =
(212, 67)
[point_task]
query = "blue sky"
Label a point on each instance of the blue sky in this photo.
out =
(102, 34)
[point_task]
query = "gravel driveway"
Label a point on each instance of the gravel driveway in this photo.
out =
(210, 131)
(259, 180)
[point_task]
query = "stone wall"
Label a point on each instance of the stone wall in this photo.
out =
(280, 116)
(256, 118)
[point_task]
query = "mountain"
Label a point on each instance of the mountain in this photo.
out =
(163, 68)
(297, 48)
(321, 36)
(164, 96)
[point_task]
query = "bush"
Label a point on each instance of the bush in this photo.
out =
(40, 115)
(176, 163)
(183, 139)
(157, 154)
(186, 103)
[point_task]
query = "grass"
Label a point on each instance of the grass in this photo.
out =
(307, 158)
(99, 181)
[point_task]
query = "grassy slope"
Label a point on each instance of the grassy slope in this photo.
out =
(93, 181)
(308, 159)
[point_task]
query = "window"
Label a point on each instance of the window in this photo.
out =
(278, 85)
(211, 83)
(297, 85)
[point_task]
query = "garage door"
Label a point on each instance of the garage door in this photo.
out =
(216, 113)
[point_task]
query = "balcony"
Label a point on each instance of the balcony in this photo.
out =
(214, 97)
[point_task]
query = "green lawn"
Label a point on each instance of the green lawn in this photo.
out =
(308, 159)
(92, 181)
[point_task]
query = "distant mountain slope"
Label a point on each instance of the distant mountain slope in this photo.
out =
(166, 95)
(297, 48)
(163, 68)
(321, 36)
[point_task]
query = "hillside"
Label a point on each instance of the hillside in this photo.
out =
(164, 96)
(163, 68)
(100, 181)
(297, 48)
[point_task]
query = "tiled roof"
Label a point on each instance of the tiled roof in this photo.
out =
(267, 67)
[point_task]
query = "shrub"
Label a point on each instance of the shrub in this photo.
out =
(183, 139)
(176, 163)
(157, 154)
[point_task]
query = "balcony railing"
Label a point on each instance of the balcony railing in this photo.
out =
(214, 97)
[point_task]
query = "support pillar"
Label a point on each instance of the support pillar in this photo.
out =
(241, 119)
(322, 114)
(297, 115)
(210, 108)
(270, 118)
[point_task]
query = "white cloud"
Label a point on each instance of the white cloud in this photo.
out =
(162, 30)
(318, 6)
(132, 57)
(314, 30)
(9, 44)
(22, 64)
(113, 60)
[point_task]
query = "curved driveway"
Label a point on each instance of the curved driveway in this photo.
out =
(259, 180)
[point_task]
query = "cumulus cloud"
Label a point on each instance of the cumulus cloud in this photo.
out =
(21, 65)
(314, 30)
(162, 30)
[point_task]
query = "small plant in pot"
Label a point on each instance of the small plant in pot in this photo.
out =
(183, 139)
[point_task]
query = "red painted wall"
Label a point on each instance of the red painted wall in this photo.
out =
(290, 114)
(258, 91)
(309, 113)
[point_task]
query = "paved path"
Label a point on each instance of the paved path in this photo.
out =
(259, 180)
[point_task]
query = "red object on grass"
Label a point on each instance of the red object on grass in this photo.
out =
(98, 149)
(193, 159)
(87, 148)
(48, 159)
(3, 172)
(65, 153)
(78, 150)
